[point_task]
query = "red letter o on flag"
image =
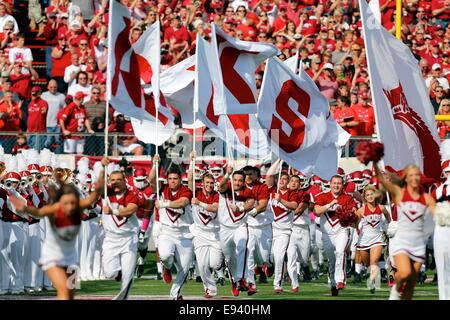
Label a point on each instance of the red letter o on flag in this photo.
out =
(292, 142)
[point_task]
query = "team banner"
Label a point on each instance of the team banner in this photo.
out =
(241, 131)
(147, 49)
(299, 123)
(177, 85)
(124, 66)
(404, 115)
(233, 65)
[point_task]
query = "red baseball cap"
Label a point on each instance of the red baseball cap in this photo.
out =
(36, 89)
(229, 20)
(80, 95)
(363, 95)
(435, 43)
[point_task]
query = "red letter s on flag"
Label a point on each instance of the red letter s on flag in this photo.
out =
(290, 143)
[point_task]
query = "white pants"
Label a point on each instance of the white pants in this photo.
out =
(44, 226)
(209, 257)
(259, 248)
(442, 257)
(18, 247)
(34, 275)
(335, 247)
(279, 249)
(4, 268)
(74, 146)
(298, 249)
(178, 250)
(86, 264)
(234, 243)
(95, 250)
(317, 253)
(143, 247)
(119, 254)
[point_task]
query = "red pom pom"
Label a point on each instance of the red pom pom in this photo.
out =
(367, 151)
(346, 215)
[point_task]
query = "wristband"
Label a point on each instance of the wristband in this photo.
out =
(164, 204)
(115, 212)
(203, 205)
(253, 212)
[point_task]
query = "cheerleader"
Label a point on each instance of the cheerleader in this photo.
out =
(370, 240)
(59, 256)
(407, 244)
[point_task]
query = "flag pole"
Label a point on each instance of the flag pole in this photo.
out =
(108, 96)
(279, 176)
(195, 156)
(229, 156)
(398, 19)
(157, 103)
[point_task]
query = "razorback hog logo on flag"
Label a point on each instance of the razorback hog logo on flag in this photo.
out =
(404, 113)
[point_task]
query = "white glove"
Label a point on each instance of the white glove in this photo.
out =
(442, 214)
(240, 207)
(392, 228)
(141, 237)
(253, 212)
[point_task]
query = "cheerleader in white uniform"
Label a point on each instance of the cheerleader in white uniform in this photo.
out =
(59, 255)
(407, 244)
(371, 240)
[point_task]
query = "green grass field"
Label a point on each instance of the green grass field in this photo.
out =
(314, 290)
(148, 289)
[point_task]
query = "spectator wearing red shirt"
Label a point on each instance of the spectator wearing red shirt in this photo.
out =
(51, 39)
(280, 22)
(10, 113)
(440, 9)
(248, 29)
(74, 120)
(20, 81)
(365, 115)
(346, 116)
(37, 117)
(126, 145)
(176, 35)
(61, 59)
(433, 56)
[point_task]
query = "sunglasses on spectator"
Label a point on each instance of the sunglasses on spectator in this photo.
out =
(240, 10)
(446, 105)
(262, 37)
(82, 78)
(152, 14)
(83, 44)
(438, 91)
(7, 29)
(96, 92)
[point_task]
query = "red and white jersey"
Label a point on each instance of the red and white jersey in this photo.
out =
(411, 213)
(65, 227)
(303, 218)
(282, 216)
(329, 222)
(121, 226)
(314, 191)
(176, 218)
(228, 217)
(372, 221)
(7, 210)
(143, 195)
(441, 192)
(204, 219)
(260, 192)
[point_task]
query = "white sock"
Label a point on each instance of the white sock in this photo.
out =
(422, 268)
(358, 267)
(395, 295)
(159, 267)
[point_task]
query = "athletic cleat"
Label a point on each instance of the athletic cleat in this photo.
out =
(234, 290)
(391, 281)
(119, 276)
(357, 278)
(383, 273)
(242, 285)
(251, 289)
(340, 286)
(207, 295)
(334, 291)
(294, 290)
(256, 271)
(435, 278)
(198, 279)
(262, 278)
(268, 271)
(139, 270)
(422, 277)
(306, 274)
(322, 269)
(277, 290)
(179, 297)
(158, 276)
(372, 290)
(221, 281)
(167, 275)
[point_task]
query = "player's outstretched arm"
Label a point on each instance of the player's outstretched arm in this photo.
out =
(393, 189)
(99, 188)
(223, 186)
(21, 206)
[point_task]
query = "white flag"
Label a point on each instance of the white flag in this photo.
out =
(302, 131)
(233, 64)
(404, 115)
(241, 131)
(124, 75)
(177, 85)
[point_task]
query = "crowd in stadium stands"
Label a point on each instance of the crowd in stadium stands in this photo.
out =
(327, 34)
